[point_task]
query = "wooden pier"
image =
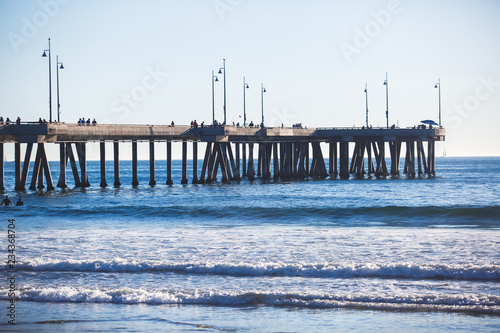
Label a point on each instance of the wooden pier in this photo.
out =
(282, 153)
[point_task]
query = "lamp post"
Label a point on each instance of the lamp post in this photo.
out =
(262, 91)
(438, 85)
(386, 84)
(214, 79)
(50, 84)
(220, 72)
(245, 86)
(58, 104)
(366, 93)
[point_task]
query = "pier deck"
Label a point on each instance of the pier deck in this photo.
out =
(289, 150)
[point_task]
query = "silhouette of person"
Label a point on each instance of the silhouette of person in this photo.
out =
(20, 202)
(6, 201)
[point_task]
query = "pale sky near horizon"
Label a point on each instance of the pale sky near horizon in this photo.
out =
(150, 62)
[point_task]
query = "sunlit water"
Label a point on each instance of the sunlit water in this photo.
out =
(381, 254)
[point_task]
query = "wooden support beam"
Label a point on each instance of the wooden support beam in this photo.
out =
(320, 168)
(371, 167)
(102, 150)
(276, 161)
(208, 153)
(17, 165)
(213, 164)
(314, 163)
(229, 152)
(422, 159)
(135, 180)
(40, 168)
(244, 158)
(419, 157)
(360, 167)
(411, 166)
(344, 160)
(395, 148)
(63, 162)
(82, 159)
(259, 159)
(251, 168)
(184, 179)
(211, 159)
(263, 160)
(74, 169)
(330, 158)
(195, 162)
(237, 171)
(269, 154)
(46, 169)
(282, 160)
(354, 159)
(378, 170)
(224, 163)
(306, 152)
(335, 160)
(26, 165)
(169, 163)
(152, 176)
(301, 170)
(2, 168)
(290, 159)
(40, 186)
(116, 159)
(36, 170)
(431, 155)
(295, 159)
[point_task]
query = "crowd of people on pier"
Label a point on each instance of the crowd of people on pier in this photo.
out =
(83, 122)
(7, 121)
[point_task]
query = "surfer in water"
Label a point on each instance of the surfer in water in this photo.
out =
(6, 201)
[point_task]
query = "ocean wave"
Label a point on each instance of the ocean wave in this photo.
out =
(327, 270)
(483, 215)
(483, 304)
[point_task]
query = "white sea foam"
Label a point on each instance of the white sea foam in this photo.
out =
(485, 304)
(397, 270)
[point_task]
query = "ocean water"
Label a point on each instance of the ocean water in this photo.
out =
(297, 256)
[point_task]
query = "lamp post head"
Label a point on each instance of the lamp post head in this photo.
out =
(44, 54)
(385, 82)
(364, 91)
(220, 71)
(61, 67)
(247, 86)
(263, 89)
(216, 79)
(436, 85)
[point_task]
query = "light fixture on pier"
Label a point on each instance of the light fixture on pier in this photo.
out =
(262, 91)
(50, 83)
(214, 79)
(438, 85)
(223, 68)
(366, 93)
(245, 86)
(58, 104)
(386, 84)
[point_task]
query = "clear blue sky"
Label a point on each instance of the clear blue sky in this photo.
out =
(150, 62)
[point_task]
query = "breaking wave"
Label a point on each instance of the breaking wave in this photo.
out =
(486, 304)
(327, 270)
